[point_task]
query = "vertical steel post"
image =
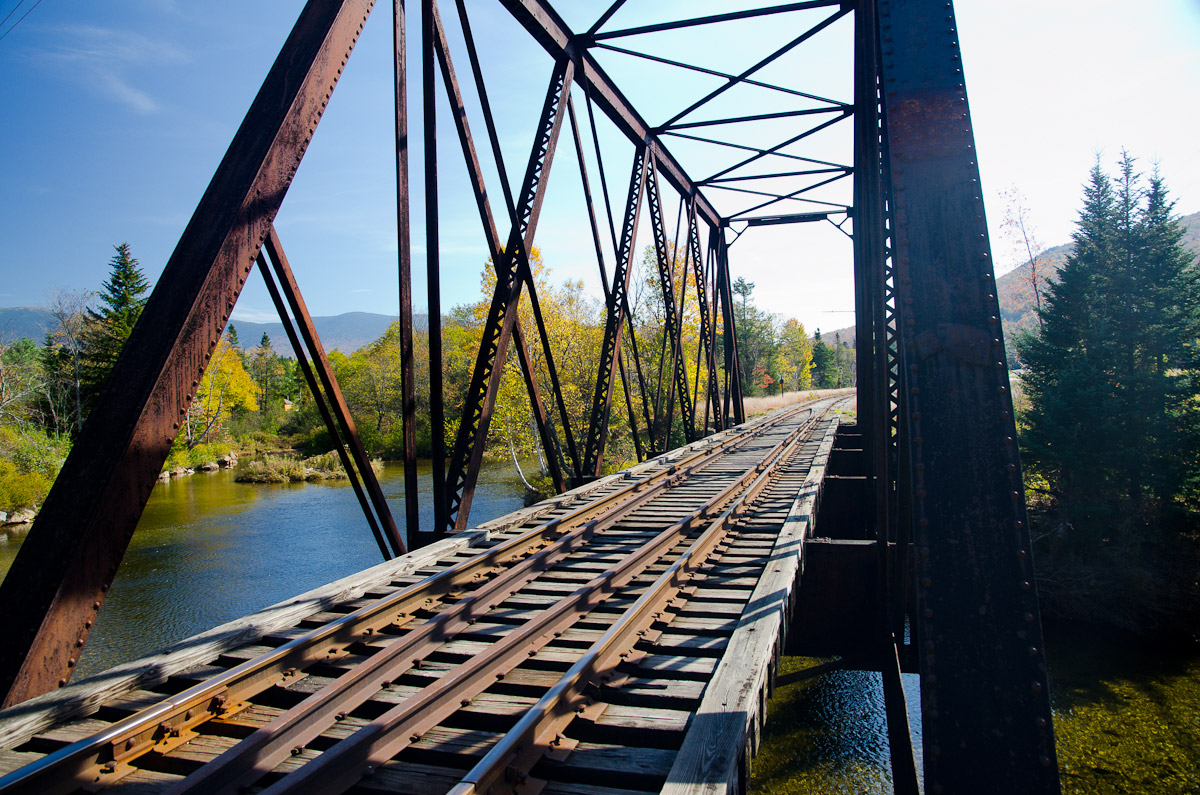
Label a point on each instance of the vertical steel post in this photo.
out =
(437, 392)
(408, 387)
(873, 380)
(733, 395)
(986, 718)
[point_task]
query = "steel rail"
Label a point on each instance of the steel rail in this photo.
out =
(508, 763)
(271, 744)
(104, 755)
(341, 766)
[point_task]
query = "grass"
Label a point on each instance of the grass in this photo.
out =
(286, 469)
(765, 403)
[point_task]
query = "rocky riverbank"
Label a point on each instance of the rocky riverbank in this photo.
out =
(227, 461)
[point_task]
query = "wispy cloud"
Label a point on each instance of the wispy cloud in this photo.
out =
(251, 314)
(103, 60)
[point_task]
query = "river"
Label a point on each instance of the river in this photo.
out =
(208, 550)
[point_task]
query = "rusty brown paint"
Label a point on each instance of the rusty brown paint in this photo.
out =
(69, 559)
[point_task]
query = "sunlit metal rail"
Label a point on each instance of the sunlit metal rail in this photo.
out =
(570, 652)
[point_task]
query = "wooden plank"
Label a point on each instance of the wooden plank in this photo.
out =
(730, 714)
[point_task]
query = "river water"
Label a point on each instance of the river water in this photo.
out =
(209, 550)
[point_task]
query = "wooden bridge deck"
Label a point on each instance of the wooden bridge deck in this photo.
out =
(656, 680)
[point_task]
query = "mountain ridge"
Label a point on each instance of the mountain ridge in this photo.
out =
(1014, 289)
(346, 332)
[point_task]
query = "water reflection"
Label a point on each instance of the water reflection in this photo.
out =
(828, 734)
(208, 550)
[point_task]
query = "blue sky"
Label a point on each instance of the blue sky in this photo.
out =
(117, 113)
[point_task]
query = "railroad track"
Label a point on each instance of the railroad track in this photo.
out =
(576, 645)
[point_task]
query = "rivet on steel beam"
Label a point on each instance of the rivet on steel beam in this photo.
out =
(71, 663)
(1028, 618)
(1025, 585)
(95, 605)
(928, 612)
(62, 682)
(926, 582)
(1036, 687)
(87, 624)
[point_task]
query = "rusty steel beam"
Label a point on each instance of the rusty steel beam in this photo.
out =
(408, 386)
(61, 574)
(333, 392)
(552, 33)
(987, 726)
(511, 272)
(714, 18)
(304, 361)
(843, 9)
(437, 410)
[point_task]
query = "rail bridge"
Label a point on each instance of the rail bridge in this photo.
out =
(620, 636)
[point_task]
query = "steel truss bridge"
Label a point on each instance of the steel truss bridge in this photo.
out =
(922, 560)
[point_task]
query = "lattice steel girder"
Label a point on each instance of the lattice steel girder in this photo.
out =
(985, 700)
(512, 269)
(665, 259)
(550, 31)
(707, 349)
(545, 428)
(95, 504)
(593, 451)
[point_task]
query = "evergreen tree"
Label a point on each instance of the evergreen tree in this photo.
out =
(122, 299)
(824, 375)
(1111, 373)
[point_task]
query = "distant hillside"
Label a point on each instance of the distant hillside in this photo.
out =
(1016, 292)
(24, 321)
(346, 332)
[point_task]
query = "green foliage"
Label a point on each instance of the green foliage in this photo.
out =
(107, 329)
(29, 462)
(1111, 380)
(184, 457)
(287, 469)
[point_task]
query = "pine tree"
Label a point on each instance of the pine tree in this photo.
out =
(123, 298)
(1110, 374)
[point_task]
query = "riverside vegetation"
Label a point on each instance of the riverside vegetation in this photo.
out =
(253, 399)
